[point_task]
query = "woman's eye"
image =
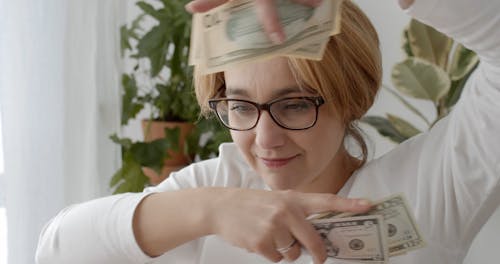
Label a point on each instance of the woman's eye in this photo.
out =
(297, 106)
(241, 108)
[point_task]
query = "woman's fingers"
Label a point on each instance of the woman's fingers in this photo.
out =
(316, 203)
(286, 244)
(268, 251)
(309, 238)
(200, 6)
(267, 14)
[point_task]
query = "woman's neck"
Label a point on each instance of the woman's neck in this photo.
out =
(335, 175)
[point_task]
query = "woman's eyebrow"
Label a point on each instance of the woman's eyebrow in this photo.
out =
(275, 94)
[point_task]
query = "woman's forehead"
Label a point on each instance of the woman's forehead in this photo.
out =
(270, 73)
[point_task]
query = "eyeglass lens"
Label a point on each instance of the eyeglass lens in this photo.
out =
(293, 113)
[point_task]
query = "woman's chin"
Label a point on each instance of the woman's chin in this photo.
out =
(279, 182)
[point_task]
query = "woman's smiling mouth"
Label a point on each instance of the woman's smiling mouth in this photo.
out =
(276, 162)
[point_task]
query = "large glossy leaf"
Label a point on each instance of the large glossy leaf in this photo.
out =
(429, 44)
(420, 79)
(456, 89)
(404, 128)
(384, 128)
(463, 62)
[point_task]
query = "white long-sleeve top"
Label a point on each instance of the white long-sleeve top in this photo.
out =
(450, 175)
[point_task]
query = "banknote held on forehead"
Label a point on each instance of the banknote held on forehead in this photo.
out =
(231, 34)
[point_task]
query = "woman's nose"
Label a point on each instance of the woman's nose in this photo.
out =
(268, 134)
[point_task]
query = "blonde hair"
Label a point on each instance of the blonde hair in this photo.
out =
(348, 76)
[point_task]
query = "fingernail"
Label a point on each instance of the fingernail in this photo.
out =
(276, 38)
(364, 202)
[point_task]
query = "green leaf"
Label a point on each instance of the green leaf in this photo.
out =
(404, 128)
(420, 79)
(117, 177)
(129, 33)
(154, 45)
(456, 89)
(150, 154)
(124, 40)
(124, 187)
(136, 25)
(129, 177)
(130, 106)
(124, 142)
(172, 136)
(429, 44)
(384, 128)
(150, 10)
(463, 62)
(406, 43)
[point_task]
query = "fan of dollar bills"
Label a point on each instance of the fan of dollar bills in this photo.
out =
(389, 229)
(231, 33)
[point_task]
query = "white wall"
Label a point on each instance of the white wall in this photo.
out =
(3, 218)
(1, 147)
(390, 22)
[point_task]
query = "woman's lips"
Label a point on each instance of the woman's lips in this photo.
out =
(276, 163)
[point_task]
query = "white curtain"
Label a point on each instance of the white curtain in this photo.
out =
(59, 92)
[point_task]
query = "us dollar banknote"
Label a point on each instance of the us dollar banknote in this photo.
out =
(232, 34)
(402, 230)
(403, 234)
(360, 239)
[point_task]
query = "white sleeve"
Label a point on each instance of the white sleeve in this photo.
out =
(98, 231)
(459, 167)
(450, 174)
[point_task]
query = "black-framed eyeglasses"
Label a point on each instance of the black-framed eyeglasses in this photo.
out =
(294, 113)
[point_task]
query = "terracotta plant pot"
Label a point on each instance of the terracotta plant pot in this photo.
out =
(177, 159)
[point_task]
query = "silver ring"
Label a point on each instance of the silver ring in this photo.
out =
(283, 250)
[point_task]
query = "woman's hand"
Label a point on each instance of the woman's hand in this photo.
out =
(264, 221)
(266, 11)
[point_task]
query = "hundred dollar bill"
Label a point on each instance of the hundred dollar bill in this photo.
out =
(402, 230)
(232, 34)
(361, 239)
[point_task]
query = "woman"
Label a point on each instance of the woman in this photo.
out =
(288, 119)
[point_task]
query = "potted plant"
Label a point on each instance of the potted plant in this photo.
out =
(161, 82)
(436, 69)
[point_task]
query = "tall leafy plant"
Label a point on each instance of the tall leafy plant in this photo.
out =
(160, 81)
(435, 70)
